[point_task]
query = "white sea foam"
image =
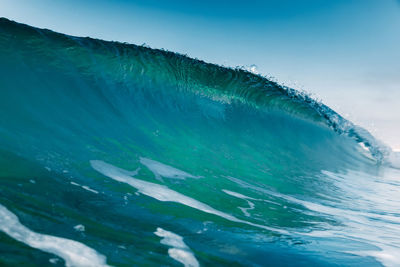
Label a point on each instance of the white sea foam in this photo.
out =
(54, 260)
(163, 193)
(388, 256)
(85, 187)
(357, 221)
(238, 195)
(73, 252)
(79, 228)
(241, 196)
(179, 251)
(253, 69)
(162, 170)
(394, 159)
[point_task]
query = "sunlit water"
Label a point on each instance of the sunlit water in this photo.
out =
(113, 154)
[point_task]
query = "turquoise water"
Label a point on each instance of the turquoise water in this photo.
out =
(116, 154)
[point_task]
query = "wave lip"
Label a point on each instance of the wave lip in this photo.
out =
(142, 66)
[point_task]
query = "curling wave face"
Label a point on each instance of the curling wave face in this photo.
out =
(104, 145)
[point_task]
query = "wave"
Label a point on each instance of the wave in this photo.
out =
(245, 170)
(129, 65)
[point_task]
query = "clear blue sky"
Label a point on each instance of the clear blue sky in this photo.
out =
(346, 53)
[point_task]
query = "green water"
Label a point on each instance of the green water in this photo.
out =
(115, 154)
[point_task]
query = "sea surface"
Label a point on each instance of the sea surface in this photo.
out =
(113, 154)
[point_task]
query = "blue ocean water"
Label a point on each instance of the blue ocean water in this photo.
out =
(113, 154)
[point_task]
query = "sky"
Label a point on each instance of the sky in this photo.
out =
(344, 52)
